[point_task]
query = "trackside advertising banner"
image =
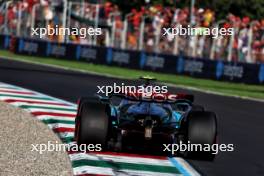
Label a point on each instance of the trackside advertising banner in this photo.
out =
(157, 62)
(180, 65)
(195, 67)
(4, 41)
(122, 58)
(92, 54)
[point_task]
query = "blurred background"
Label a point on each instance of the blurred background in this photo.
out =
(137, 25)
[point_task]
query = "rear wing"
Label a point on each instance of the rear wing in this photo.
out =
(156, 97)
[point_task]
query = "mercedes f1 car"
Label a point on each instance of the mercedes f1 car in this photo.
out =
(145, 124)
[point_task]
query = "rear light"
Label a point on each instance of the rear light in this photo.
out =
(123, 132)
(148, 133)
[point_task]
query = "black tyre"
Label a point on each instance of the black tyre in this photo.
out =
(77, 119)
(91, 124)
(201, 129)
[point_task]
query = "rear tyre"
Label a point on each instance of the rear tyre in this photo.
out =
(92, 124)
(201, 129)
(80, 102)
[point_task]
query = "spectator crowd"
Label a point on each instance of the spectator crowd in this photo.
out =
(247, 45)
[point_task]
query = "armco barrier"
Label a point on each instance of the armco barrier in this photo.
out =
(181, 65)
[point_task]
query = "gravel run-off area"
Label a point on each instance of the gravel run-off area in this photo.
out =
(18, 131)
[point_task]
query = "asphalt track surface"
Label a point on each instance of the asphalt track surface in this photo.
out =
(240, 122)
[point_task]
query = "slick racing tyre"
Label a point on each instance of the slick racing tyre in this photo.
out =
(91, 124)
(201, 129)
(77, 119)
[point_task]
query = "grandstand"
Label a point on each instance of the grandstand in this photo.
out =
(139, 29)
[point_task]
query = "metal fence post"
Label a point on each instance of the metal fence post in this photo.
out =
(157, 39)
(18, 29)
(124, 32)
(113, 33)
(69, 20)
(230, 48)
(212, 52)
(6, 17)
(250, 38)
(96, 22)
(113, 23)
(64, 17)
(141, 34)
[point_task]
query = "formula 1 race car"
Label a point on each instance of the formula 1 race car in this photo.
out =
(145, 124)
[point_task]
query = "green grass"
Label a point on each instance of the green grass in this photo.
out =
(238, 89)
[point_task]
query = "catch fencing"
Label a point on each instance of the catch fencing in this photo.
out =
(129, 32)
